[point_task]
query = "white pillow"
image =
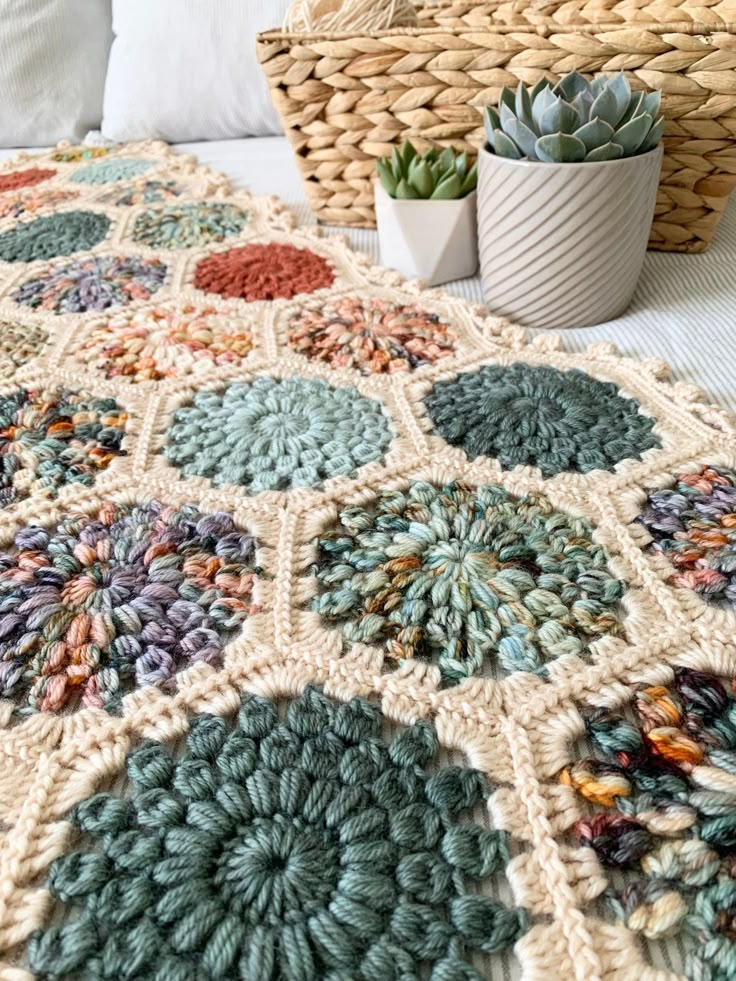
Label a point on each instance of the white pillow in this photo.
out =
(183, 70)
(53, 57)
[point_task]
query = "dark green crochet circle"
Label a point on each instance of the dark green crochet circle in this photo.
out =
(53, 235)
(559, 421)
(302, 848)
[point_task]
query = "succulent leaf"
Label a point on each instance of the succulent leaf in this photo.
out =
(470, 182)
(595, 133)
(652, 103)
(523, 105)
(560, 148)
(621, 91)
(609, 151)
(655, 135)
(560, 117)
(571, 86)
(420, 178)
(507, 98)
(408, 153)
(492, 123)
(543, 101)
(448, 189)
(522, 136)
(447, 159)
(605, 107)
(505, 146)
(405, 192)
(386, 176)
(397, 164)
(543, 83)
(631, 135)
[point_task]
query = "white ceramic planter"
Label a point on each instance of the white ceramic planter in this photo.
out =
(562, 245)
(432, 240)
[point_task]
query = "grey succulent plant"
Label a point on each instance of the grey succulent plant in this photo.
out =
(574, 121)
(435, 176)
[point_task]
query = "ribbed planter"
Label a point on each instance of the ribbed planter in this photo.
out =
(562, 245)
(436, 241)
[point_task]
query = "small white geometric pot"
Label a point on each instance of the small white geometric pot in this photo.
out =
(562, 245)
(432, 240)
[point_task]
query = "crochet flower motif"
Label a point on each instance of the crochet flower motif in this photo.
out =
(559, 421)
(94, 283)
(263, 272)
(124, 598)
(694, 525)
(273, 435)
(74, 154)
(184, 226)
(457, 575)
(142, 192)
(53, 235)
(19, 343)
(661, 803)
(31, 201)
(299, 849)
(165, 342)
(24, 178)
(373, 335)
(111, 171)
(55, 437)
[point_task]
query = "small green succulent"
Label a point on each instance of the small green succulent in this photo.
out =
(574, 121)
(436, 176)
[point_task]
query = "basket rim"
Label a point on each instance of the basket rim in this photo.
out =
(543, 30)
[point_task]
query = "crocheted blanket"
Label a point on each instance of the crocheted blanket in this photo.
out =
(346, 633)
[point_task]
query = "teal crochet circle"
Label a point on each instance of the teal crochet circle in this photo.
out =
(308, 849)
(559, 421)
(274, 435)
(110, 171)
(466, 578)
(186, 226)
(53, 235)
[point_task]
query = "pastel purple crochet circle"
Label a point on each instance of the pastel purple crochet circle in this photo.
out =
(95, 283)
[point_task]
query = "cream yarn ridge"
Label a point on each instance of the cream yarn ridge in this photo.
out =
(307, 16)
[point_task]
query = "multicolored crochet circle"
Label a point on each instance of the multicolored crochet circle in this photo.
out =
(54, 235)
(661, 809)
(462, 576)
(275, 435)
(693, 524)
(186, 226)
(372, 335)
(151, 344)
(111, 171)
(303, 849)
(559, 421)
(55, 437)
(74, 154)
(124, 598)
(263, 272)
(95, 283)
(142, 192)
(24, 178)
(31, 201)
(19, 343)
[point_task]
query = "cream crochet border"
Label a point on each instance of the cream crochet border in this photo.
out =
(519, 729)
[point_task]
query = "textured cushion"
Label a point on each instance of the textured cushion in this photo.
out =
(52, 69)
(187, 70)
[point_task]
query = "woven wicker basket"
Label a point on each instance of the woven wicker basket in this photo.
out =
(346, 99)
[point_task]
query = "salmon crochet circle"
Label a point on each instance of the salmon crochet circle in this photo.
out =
(24, 178)
(263, 272)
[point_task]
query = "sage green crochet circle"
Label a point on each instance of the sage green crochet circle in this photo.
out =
(110, 171)
(308, 849)
(53, 235)
(559, 421)
(274, 435)
(467, 578)
(185, 226)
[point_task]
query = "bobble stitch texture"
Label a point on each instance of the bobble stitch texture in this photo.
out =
(55, 437)
(125, 598)
(53, 235)
(263, 272)
(111, 171)
(24, 178)
(459, 574)
(184, 226)
(538, 416)
(303, 849)
(273, 435)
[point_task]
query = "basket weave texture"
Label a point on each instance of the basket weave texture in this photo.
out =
(346, 99)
